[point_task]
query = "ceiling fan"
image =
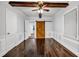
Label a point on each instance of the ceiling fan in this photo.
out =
(41, 6)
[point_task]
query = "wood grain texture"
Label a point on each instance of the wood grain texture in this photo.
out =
(40, 29)
(55, 49)
(17, 51)
(34, 4)
(40, 48)
(40, 44)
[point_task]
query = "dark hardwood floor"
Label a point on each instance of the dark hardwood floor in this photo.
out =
(45, 48)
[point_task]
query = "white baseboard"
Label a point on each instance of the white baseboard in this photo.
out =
(63, 42)
(11, 46)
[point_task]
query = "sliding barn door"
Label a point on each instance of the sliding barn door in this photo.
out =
(40, 37)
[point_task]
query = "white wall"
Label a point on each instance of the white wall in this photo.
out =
(2, 21)
(78, 24)
(59, 24)
(48, 29)
(44, 18)
(11, 21)
(59, 30)
(20, 23)
(59, 19)
(27, 29)
(30, 21)
(14, 26)
(2, 28)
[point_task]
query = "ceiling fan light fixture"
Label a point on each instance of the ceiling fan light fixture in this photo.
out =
(40, 11)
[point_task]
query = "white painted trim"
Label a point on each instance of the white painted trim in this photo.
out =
(10, 47)
(3, 52)
(75, 52)
(77, 22)
(76, 7)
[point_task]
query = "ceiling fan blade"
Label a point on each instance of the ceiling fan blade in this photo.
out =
(35, 9)
(46, 10)
(56, 4)
(44, 6)
(23, 4)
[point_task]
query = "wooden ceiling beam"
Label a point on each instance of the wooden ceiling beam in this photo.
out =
(34, 4)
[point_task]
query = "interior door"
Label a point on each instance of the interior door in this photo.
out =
(40, 29)
(40, 37)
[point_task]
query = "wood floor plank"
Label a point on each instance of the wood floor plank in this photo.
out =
(47, 48)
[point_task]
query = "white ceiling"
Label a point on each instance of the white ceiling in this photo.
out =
(28, 11)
